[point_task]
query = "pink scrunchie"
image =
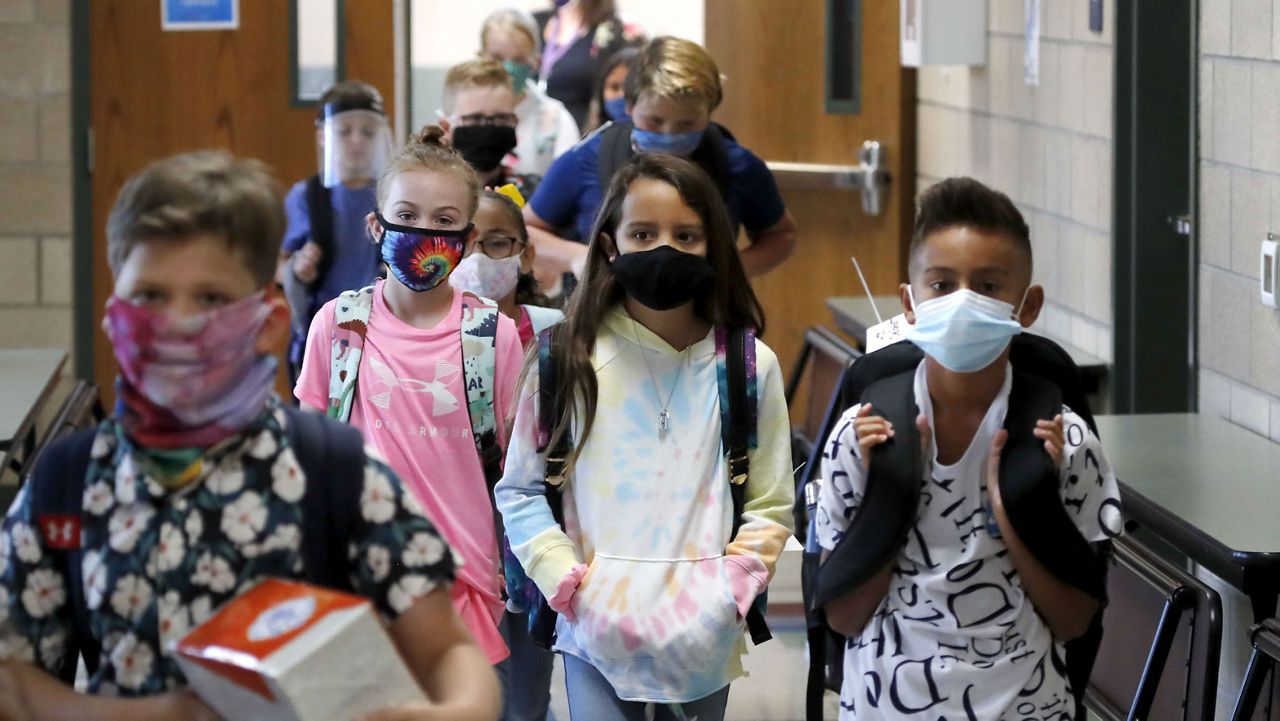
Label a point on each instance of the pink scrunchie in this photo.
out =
(562, 601)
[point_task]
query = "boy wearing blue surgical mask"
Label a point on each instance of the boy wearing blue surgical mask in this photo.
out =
(132, 533)
(671, 89)
(977, 621)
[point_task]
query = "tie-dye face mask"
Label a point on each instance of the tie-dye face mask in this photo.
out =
(421, 258)
(189, 382)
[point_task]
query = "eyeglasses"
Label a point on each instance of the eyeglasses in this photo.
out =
(499, 246)
(502, 120)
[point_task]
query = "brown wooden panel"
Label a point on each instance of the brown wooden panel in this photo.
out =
(370, 46)
(772, 56)
(158, 93)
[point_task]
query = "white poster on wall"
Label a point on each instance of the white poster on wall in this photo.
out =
(909, 22)
(1031, 55)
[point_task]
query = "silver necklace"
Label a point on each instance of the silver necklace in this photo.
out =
(664, 417)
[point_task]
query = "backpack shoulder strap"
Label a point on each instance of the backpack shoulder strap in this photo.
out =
(891, 498)
(614, 152)
(57, 493)
(320, 219)
(713, 155)
(479, 369)
(350, 324)
(332, 460)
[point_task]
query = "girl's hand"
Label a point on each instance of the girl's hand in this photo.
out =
(871, 431)
(184, 704)
(13, 697)
(416, 711)
(1051, 433)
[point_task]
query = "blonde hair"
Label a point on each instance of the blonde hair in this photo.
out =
(513, 20)
(473, 74)
(427, 149)
(674, 68)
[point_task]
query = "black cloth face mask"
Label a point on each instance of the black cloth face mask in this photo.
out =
(484, 146)
(664, 278)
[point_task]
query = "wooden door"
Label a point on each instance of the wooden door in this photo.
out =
(155, 93)
(771, 54)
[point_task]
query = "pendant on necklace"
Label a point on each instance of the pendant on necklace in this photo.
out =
(663, 418)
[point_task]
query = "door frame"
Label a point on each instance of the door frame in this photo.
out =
(81, 196)
(1153, 185)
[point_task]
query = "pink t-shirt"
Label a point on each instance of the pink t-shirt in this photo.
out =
(410, 404)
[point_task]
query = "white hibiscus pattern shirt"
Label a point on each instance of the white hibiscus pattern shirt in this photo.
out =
(157, 563)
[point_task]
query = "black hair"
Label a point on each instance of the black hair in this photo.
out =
(967, 202)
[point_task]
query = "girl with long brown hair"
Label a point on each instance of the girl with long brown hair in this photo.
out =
(650, 587)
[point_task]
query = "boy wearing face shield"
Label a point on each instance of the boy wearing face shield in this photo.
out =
(326, 249)
(979, 621)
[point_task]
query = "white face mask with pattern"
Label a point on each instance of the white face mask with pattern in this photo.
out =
(486, 277)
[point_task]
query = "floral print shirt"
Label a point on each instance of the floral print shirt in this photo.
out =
(156, 563)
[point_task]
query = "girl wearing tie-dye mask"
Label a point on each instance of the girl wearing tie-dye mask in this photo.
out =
(409, 396)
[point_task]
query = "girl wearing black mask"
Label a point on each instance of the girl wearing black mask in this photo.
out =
(651, 585)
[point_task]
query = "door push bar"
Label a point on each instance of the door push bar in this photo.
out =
(869, 177)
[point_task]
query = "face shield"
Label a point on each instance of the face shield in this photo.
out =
(355, 143)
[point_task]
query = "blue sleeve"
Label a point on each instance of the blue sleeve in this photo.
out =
(556, 199)
(297, 229)
(760, 202)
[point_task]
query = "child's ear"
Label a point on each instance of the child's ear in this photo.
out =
(608, 246)
(275, 329)
(1031, 306)
(905, 297)
(527, 256)
(375, 228)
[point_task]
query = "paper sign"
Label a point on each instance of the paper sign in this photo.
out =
(199, 14)
(887, 333)
(1031, 55)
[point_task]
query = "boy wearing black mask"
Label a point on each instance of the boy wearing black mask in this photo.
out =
(480, 118)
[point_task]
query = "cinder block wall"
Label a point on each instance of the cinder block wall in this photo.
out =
(1049, 147)
(35, 174)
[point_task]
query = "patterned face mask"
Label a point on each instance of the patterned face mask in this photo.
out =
(421, 258)
(193, 381)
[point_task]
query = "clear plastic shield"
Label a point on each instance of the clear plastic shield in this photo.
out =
(355, 147)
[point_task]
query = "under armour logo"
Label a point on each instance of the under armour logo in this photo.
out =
(61, 531)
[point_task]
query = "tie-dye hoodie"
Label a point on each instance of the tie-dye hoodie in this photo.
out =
(658, 612)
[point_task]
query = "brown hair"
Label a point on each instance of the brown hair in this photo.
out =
(965, 201)
(210, 192)
(473, 74)
(351, 91)
(731, 303)
(674, 68)
(427, 149)
(526, 285)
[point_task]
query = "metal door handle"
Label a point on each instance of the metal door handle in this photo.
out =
(869, 177)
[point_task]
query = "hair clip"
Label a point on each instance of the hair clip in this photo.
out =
(512, 192)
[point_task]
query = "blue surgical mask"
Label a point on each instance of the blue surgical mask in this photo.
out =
(682, 144)
(616, 109)
(962, 330)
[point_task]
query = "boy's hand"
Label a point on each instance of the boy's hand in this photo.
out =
(13, 698)
(184, 704)
(306, 262)
(871, 431)
(1051, 433)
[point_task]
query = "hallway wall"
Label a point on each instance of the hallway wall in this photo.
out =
(35, 172)
(1049, 147)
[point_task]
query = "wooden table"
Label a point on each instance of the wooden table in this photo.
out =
(27, 378)
(1207, 487)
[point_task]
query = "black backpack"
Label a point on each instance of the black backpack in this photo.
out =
(325, 450)
(1044, 379)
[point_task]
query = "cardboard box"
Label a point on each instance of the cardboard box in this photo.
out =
(287, 651)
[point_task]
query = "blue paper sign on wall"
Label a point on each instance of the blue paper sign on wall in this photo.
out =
(199, 14)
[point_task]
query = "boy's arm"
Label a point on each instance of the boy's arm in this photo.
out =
(1066, 610)
(844, 482)
(29, 694)
(450, 667)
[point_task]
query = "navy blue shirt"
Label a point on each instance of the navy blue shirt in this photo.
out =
(356, 257)
(570, 193)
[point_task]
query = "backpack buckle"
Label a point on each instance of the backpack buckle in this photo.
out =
(738, 469)
(555, 474)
